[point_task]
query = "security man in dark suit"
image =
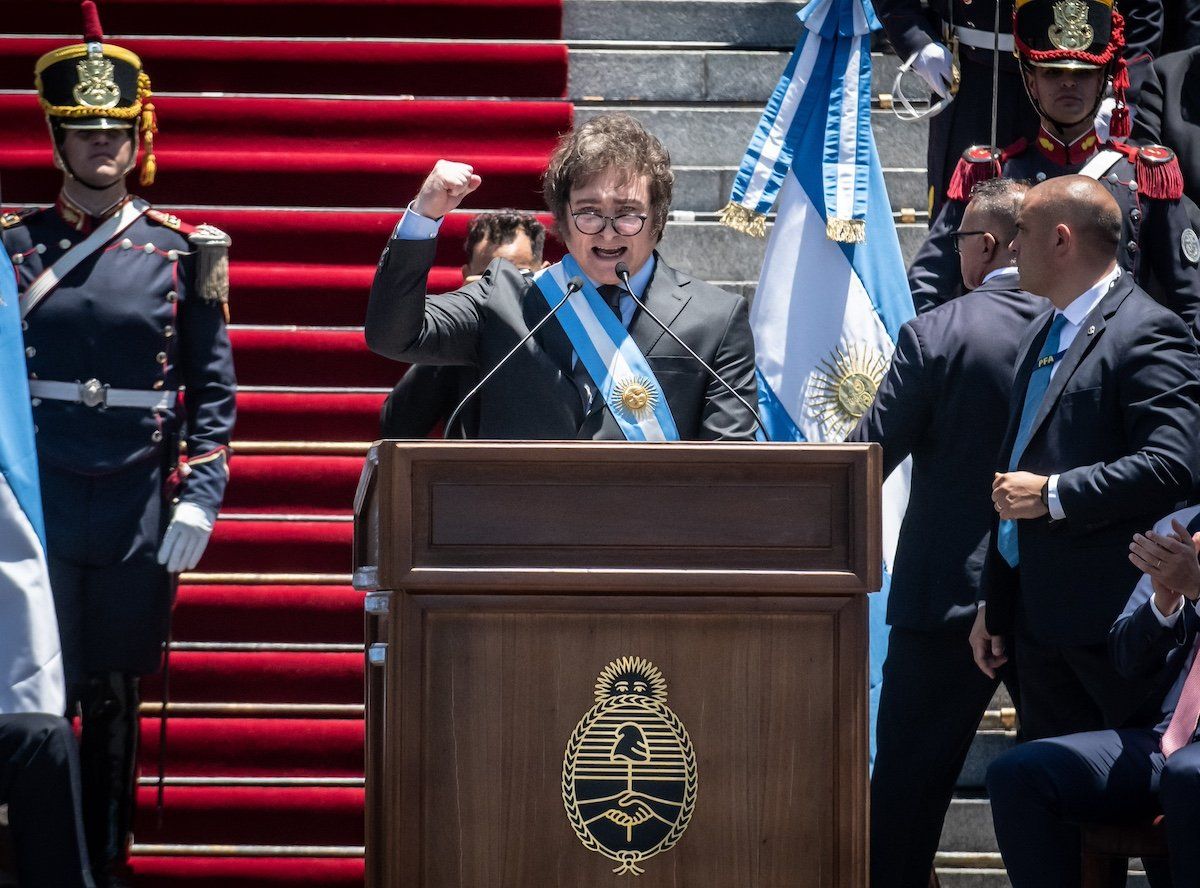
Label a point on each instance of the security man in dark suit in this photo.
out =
(124, 312)
(1169, 111)
(1101, 441)
(609, 186)
(950, 44)
(944, 402)
(1040, 791)
(1065, 68)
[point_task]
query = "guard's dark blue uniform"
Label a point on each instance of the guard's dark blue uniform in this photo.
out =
(132, 317)
(1156, 246)
(912, 25)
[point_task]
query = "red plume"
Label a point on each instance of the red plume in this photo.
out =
(91, 23)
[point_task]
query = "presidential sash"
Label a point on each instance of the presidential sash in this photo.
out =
(630, 390)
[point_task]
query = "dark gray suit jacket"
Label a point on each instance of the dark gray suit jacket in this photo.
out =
(945, 402)
(535, 396)
(1120, 425)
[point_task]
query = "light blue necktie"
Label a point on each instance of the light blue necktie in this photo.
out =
(1039, 381)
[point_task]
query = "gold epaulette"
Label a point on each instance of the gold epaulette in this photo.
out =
(11, 220)
(168, 220)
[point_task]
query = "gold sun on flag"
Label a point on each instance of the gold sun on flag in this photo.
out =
(843, 386)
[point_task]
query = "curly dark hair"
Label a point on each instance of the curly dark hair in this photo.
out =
(610, 141)
(501, 227)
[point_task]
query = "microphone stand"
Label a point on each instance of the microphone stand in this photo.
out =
(623, 274)
(573, 286)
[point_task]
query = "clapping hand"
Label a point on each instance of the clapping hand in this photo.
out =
(1170, 562)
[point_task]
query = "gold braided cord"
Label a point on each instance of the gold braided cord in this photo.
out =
(130, 113)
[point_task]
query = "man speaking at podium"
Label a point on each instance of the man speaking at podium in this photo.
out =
(609, 344)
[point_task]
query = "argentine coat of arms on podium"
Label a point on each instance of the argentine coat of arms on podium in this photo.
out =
(629, 774)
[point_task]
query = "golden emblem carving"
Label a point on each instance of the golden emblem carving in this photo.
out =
(629, 773)
(635, 396)
(96, 87)
(1071, 29)
(844, 387)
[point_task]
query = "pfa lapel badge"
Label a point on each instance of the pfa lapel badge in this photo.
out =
(629, 773)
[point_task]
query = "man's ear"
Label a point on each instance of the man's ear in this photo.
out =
(1062, 236)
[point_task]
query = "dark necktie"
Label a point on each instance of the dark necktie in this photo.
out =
(611, 294)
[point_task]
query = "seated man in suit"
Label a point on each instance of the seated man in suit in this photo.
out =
(607, 365)
(426, 395)
(944, 402)
(1041, 790)
(1101, 441)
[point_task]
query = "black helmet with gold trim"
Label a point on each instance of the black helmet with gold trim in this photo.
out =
(1075, 34)
(96, 85)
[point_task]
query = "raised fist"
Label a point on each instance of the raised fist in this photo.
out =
(444, 188)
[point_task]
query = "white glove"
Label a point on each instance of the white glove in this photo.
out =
(186, 537)
(1104, 118)
(933, 64)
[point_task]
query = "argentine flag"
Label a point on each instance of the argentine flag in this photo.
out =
(31, 671)
(832, 294)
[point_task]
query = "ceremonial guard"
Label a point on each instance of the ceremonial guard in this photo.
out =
(132, 385)
(1068, 50)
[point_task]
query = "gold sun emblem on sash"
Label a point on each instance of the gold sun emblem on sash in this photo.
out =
(844, 386)
(629, 773)
(635, 395)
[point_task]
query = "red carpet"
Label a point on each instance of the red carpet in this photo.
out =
(493, 19)
(305, 151)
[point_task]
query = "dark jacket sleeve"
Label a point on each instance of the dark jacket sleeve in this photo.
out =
(1139, 645)
(934, 276)
(724, 418)
(1175, 280)
(422, 398)
(1148, 112)
(1159, 392)
(206, 360)
(1144, 21)
(907, 25)
(404, 325)
(900, 414)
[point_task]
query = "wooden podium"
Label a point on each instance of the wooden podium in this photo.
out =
(503, 579)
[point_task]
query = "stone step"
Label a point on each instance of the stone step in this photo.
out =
(705, 189)
(714, 252)
(761, 23)
(716, 136)
(968, 826)
(987, 746)
(669, 73)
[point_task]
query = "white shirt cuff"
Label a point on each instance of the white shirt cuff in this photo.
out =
(1166, 622)
(1052, 501)
(414, 226)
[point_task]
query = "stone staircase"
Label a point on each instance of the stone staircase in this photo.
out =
(698, 74)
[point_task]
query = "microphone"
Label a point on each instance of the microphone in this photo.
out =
(623, 273)
(574, 285)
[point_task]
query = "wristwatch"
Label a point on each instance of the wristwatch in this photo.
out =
(1046, 494)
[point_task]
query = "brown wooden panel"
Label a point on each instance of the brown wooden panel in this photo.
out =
(771, 690)
(623, 517)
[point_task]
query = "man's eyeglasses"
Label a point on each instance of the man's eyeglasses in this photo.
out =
(956, 236)
(626, 225)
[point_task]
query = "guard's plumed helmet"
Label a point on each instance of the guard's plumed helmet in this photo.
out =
(1075, 34)
(96, 85)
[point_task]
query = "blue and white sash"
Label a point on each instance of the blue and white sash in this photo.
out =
(630, 390)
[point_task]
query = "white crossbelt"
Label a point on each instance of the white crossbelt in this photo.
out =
(93, 394)
(977, 39)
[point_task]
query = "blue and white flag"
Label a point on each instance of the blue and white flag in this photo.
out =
(31, 671)
(832, 294)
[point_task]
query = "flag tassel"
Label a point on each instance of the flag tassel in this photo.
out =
(739, 218)
(846, 231)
